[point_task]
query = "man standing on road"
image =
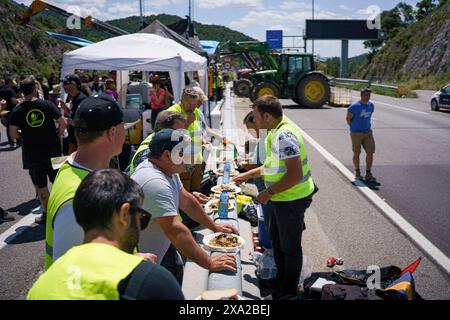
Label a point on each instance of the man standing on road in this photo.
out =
(287, 176)
(359, 120)
(164, 195)
(41, 141)
(107, 206)
(99, 130)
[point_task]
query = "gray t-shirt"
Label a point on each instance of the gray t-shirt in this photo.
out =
(161, 199)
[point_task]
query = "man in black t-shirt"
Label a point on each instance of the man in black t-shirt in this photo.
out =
(41, 142)
(8, 94)
(72, 85)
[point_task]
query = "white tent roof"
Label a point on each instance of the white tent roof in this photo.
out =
(139, 52)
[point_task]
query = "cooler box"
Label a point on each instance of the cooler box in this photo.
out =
(133, 135)
(263, 229)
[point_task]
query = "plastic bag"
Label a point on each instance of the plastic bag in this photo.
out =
(307, 269)
(266, 267)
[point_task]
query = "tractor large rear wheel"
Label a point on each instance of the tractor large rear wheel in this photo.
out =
(265, 89)
(313, 91)
(243, 87)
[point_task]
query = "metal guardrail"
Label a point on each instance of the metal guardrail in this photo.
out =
(400, 90)
(368, 82)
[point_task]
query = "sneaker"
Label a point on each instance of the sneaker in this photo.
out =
(370, 178)
(41, 219)
(358, 175)
(5, 216)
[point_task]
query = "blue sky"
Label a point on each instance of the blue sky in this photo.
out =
(252, 17)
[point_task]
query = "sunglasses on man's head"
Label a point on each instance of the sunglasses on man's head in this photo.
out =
(145, 216)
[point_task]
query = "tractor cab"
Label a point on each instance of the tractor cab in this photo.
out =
(293, 67)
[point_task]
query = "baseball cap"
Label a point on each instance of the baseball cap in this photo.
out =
(71, 78)
(162, 140)
(101, 113)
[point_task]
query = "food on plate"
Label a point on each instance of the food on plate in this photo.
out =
(225, 240)
(221, 170)
(214, 205)
(221, 294)
(232, 189)
(224, 159)
(223, 187)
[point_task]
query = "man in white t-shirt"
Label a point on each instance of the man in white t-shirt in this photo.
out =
(164, 196)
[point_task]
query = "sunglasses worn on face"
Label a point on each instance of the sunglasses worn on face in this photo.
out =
(145, 216)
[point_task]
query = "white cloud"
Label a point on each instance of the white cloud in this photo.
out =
(280, 27)
(210, 4)
(274, 17)
(291, 5)
(158, 3)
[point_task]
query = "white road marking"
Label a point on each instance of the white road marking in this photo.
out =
(17, 228)
(437, 255)
(394, 106)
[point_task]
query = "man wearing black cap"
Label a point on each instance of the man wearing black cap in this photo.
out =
(72, 86)
(165, 195)
(100, 133)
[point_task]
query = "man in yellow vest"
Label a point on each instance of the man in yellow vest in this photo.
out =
(189, 107)
(289, 189)
(99, 130)
(107, 206)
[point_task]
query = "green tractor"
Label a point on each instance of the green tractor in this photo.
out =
(283, 75)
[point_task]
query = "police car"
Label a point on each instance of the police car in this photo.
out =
(441, 99)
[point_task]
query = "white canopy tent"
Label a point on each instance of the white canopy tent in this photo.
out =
(139, 52)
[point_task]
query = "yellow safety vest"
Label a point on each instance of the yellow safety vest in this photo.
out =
(275, 169)
(195, 131)
(142, 147)
(66, 184)
(89, 271)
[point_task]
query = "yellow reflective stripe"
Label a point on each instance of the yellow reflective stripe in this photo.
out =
(304, 179)
(281, 169)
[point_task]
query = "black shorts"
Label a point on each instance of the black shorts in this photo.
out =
(39, 171)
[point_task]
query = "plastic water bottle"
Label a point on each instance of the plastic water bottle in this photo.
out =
(223, 205)
(226, 173)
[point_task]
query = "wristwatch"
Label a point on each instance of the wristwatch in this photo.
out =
(270, 191)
